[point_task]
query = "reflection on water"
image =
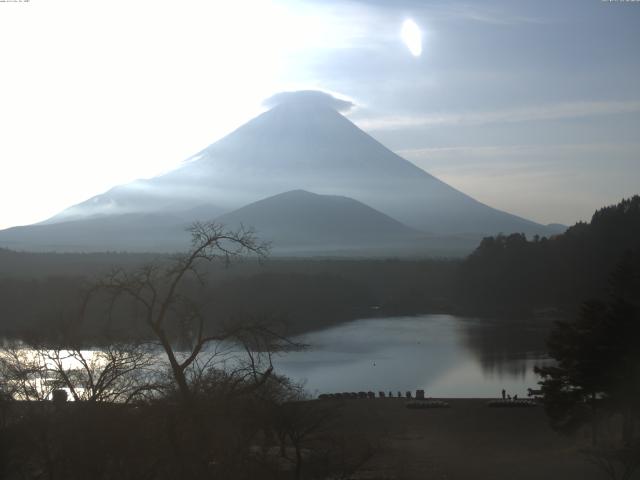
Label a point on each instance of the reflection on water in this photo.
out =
(35, 374)
(447, 356)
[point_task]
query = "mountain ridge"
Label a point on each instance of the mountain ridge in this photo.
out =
(303, 145)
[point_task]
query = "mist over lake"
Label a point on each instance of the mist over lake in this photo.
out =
(446, 355)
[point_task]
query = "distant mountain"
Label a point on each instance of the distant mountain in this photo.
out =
(294, 222)
(303, 142)
(301, 220)
(135, 232)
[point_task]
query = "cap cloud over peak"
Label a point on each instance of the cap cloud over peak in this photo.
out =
(309, 97)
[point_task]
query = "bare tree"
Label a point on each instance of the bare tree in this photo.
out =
(25, 373)
(222, 375)
(115, 373)
(164, 304)
(298, 421)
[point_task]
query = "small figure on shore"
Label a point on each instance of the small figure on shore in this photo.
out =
(515, 397)
(508, 397)
(504, 394)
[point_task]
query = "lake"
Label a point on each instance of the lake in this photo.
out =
(445, 355)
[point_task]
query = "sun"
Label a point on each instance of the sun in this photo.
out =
(412, 37)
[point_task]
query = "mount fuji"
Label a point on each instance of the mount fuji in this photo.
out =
(303, 143)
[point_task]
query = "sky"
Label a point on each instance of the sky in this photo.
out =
(529, 107)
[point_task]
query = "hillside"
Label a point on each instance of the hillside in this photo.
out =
(508, 272)
(302, 220)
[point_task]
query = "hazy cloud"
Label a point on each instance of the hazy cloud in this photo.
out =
(490, 15)
(309, 97)
(490, 12)
(522, 114)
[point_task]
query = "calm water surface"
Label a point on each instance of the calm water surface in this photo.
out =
(447, 356)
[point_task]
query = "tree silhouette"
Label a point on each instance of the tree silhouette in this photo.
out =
(172, 312)
(596, 378)
(508, 273)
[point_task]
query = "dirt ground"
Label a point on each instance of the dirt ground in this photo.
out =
(469, 440)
